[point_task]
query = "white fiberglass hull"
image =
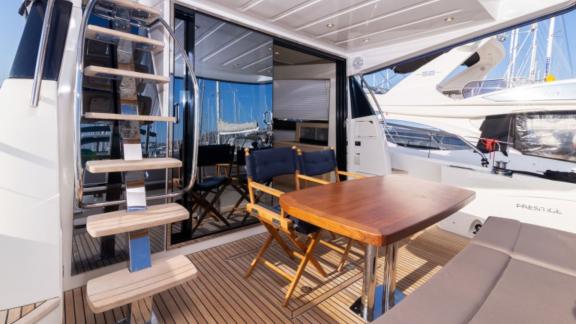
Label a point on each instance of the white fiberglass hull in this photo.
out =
(526, 198)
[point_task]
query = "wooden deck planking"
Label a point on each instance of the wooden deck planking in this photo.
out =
(12, 315)
(221, 294)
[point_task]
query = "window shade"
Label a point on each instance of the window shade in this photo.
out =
(301, 99)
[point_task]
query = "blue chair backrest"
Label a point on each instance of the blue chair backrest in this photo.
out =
(317, 162)
(263, 165)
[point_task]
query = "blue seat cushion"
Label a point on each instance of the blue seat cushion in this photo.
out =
(317, 162)
(210, 183)
(263, 165)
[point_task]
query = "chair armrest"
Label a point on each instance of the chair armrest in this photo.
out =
(271, 191)
(267, 216)
(351, 174)
(312, 179)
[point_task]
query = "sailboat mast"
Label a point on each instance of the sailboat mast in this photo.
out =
(549, 47)
(534, 48)
(217, 112)
(513, 52)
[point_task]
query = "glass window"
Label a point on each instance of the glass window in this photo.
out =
(231, 109)
(25, 59)
(420, 136)
(549, 135)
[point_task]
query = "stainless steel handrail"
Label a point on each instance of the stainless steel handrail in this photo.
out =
(381, 115)
(78, 111)
(41, 58)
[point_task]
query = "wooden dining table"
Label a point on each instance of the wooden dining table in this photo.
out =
(378, 211)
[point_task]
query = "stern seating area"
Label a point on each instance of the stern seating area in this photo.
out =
(510, 273)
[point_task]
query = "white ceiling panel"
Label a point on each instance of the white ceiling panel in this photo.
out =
(378, 31)
(362, 23)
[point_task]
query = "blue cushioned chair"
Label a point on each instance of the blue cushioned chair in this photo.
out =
(262, 166)
(320, 163)
(220, 157)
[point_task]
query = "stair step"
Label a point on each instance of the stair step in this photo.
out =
(113, 36)
(148, 12)
(123, 221)
(143, 118)
(124, 287)
(110, 73)
(105, 166)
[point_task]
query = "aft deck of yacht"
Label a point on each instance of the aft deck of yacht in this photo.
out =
(221, 294)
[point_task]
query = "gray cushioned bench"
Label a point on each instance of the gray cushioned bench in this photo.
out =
(509, 273)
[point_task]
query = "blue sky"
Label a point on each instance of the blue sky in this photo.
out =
(12, 25)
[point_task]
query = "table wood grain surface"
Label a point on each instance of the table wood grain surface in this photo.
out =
(376, 210)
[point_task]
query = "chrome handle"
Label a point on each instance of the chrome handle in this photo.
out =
(41, 58)
(196, 95)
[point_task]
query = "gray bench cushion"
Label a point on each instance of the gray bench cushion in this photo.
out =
(549, 248)
(510, 273)
(499, 234)
(528, 294)
(456, 292)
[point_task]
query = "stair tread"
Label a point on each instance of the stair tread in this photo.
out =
(106, 72)
(131, 4)
(118, 165)
(123, 221)
(124, 287)
(145, 118)
(107, 34)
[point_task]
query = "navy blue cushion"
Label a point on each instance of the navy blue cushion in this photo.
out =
(317, 163)
(210, 183)
(263, 165)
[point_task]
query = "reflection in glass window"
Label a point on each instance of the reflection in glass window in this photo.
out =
(231, 108)
(419, 136)
(549, 135)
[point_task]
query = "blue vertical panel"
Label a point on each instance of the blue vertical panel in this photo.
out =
(139, 249)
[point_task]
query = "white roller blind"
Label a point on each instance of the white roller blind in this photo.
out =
(301, 99)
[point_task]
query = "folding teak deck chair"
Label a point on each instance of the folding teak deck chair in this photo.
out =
(240, 184)
(318, 163)
(261, 167)
(211, 156)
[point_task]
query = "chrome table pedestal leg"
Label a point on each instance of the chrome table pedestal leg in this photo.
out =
(390, 292)
(376, 300)
(364, 306)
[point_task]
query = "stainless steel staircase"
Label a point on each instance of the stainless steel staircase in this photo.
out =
(144, 276)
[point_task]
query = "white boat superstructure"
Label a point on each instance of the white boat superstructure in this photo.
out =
(459, 130)
(124, 124)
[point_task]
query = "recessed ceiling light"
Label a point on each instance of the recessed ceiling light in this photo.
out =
(276, 53)
(269, 48)
(330, 25)
(449, 19)
(366, 40)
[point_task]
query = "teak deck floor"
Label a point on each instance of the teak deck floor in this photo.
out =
(221, 294)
